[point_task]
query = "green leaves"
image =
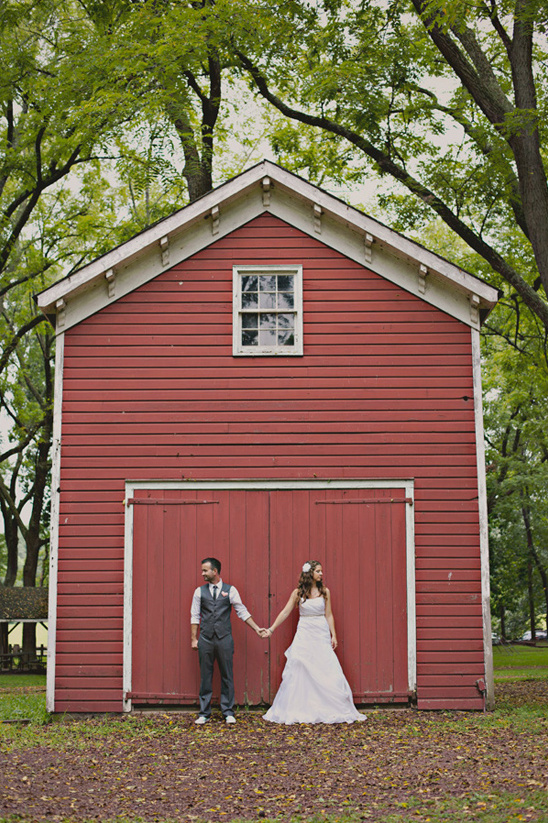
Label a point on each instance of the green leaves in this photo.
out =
(423, 92)
(516, 408)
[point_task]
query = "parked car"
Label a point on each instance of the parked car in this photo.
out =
(540, 634)
(495, 638)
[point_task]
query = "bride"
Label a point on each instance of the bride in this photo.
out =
(314, 688)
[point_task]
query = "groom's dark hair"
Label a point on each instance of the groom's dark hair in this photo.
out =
(215, 564)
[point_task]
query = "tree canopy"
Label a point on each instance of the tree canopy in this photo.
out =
(447, 99)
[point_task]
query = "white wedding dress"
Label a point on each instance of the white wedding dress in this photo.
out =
(313, 688)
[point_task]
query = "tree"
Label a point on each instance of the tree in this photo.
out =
(176, 54)
(70, 225)
(516, 406)
(52, 120)
(448, 100)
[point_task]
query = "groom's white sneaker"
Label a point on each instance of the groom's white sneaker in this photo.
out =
(230, 718)
(201, 720)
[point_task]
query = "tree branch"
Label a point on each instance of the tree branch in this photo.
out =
(10, 503)
(487, 149)
(10, 347)
(477, 77)
(518, 124)
(497, 25)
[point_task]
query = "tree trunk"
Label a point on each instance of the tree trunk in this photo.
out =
(29, 641)
(11, 535)
(525, 143)
(502, 615)
(535, 555)
(198, 170)
(530, 593)
(33, 539)
(3, 638)
(29, 579)
(474, 69)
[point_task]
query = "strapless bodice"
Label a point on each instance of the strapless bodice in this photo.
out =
(313, 607)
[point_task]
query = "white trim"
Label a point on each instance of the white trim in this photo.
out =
(343, 228)
(54, 531)
(388, 263)
(411, 590)
(238, 349)
(261, 483)
(121, 255)
(483, 522)
(271, 485)
(16, 621)
(140, 269)
(266, 186)
(128, 598)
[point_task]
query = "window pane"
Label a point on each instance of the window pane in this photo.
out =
(267, 282)
(285, 300)
(286, 338)
(267, 300)
(268, 316)
(249, 338)
(285, 282)
(249, 282)
(267, 321)
(267, 337)
(250, 300)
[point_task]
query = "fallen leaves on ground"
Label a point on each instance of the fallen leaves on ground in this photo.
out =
(161, 766)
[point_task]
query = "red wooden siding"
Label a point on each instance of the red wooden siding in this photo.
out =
(151, 390)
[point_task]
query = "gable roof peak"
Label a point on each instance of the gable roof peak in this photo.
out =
(265, 186)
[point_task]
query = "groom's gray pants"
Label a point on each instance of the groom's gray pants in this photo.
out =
(222, 651)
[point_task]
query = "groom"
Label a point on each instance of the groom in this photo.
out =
(211, 608)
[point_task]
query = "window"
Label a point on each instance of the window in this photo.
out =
(267, 310)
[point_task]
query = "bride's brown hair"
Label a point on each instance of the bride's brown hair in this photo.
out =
(306, 581)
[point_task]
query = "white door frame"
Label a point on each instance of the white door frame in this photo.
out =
(269, 485)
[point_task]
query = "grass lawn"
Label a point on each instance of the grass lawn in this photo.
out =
(399, 766)
(23, 698)
(520, 663)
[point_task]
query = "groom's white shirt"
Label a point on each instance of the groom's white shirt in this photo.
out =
(233, 596)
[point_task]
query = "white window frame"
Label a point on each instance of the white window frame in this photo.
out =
(240, 350)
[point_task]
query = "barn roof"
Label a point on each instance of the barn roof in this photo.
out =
(267, 187)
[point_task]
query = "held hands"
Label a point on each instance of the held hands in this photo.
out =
(265, 633)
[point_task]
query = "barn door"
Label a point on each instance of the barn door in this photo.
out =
(172, 531)
(262, 537)
(359, 536)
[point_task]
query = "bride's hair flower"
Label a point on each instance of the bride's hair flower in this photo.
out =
(306, 567)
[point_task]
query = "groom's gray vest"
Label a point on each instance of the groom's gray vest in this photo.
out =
(215, 614)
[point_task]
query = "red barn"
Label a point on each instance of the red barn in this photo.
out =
(268, 376)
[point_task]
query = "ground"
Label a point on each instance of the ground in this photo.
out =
(401, 765)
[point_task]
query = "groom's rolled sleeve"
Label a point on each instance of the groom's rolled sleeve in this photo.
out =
(195, 607)
(236, 603)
